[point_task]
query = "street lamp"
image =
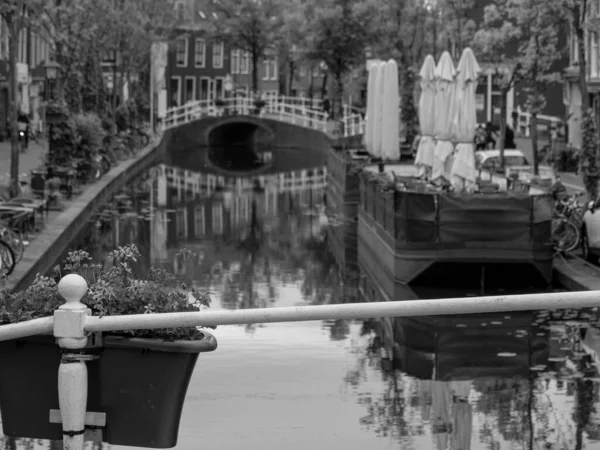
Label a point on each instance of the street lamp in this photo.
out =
(51, 69)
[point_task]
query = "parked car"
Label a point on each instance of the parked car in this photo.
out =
(490, 159)
(514, 161)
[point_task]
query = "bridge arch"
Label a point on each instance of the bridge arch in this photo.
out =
(238, 131)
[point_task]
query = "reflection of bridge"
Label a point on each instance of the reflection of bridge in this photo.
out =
(217, 204)
(199, 183)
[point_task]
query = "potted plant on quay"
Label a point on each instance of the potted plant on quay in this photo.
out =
(140, 377)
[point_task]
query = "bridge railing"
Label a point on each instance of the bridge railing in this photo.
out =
(72, 323)
(353, 125)
(299, 111)
(297, 114)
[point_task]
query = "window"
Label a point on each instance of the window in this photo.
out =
(219, 86)
(574, 48)
(181, 50)
(245, 63)
(200, 53)
(199, 221)
(190, 89)
(180, 223)
(175, 91)
(217, 219)
(180, 9)
(3, 39)
(217, 57)
(302, 71)
(270, 69)
(315, 71)
(204, 87)
(594, 54)
(235, 61)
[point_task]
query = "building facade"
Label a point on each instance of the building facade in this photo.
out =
(199, 67)
(33, 50)
(572, 92)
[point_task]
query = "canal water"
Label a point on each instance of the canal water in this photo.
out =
(501, 382)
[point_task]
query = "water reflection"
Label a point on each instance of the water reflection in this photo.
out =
(526, 380)
(504, 381)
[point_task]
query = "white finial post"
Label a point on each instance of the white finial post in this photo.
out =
(69, 329)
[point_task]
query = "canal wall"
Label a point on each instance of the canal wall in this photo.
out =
(576, 274)
(56, 235)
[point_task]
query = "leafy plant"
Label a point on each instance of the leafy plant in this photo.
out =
(111, 291)
(89, 133)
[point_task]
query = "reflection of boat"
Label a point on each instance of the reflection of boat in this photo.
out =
(342, 210)
(458, 347)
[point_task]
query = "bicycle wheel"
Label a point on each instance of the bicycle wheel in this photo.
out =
(7, 259)
(565, 235)
(14, 240)
(144, 137)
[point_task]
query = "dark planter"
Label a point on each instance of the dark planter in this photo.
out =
(140, 384)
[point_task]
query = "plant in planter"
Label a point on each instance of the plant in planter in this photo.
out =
(140, 377)
(589, 155)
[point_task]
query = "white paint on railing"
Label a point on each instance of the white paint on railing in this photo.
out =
(353, 124)
(469, 305)
(299, 111)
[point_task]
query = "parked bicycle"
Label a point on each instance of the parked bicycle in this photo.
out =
(566, 223)
(7, 259)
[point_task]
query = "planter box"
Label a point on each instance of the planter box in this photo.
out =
(140, 384)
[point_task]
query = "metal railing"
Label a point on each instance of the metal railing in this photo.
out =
(72, 324)
(353, 123)
(298, 111)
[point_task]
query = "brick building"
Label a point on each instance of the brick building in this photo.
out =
(197, 67)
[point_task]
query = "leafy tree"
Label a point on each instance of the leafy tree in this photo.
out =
(340, 33)
(85, 32)
(251, 26)
(457, 26)
(402, 34)
(291, 43)
(538, 53)
(495, 42)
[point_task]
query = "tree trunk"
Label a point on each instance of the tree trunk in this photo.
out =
(503, 109)
(324, 85)
(114, 86)
(338, 106)
(311, 85)
(282, 79)
(292, 70)
(585, 99)
(255, 62)
(13, 88)
(534, 142)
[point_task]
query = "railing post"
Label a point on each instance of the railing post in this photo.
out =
(69, 329)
